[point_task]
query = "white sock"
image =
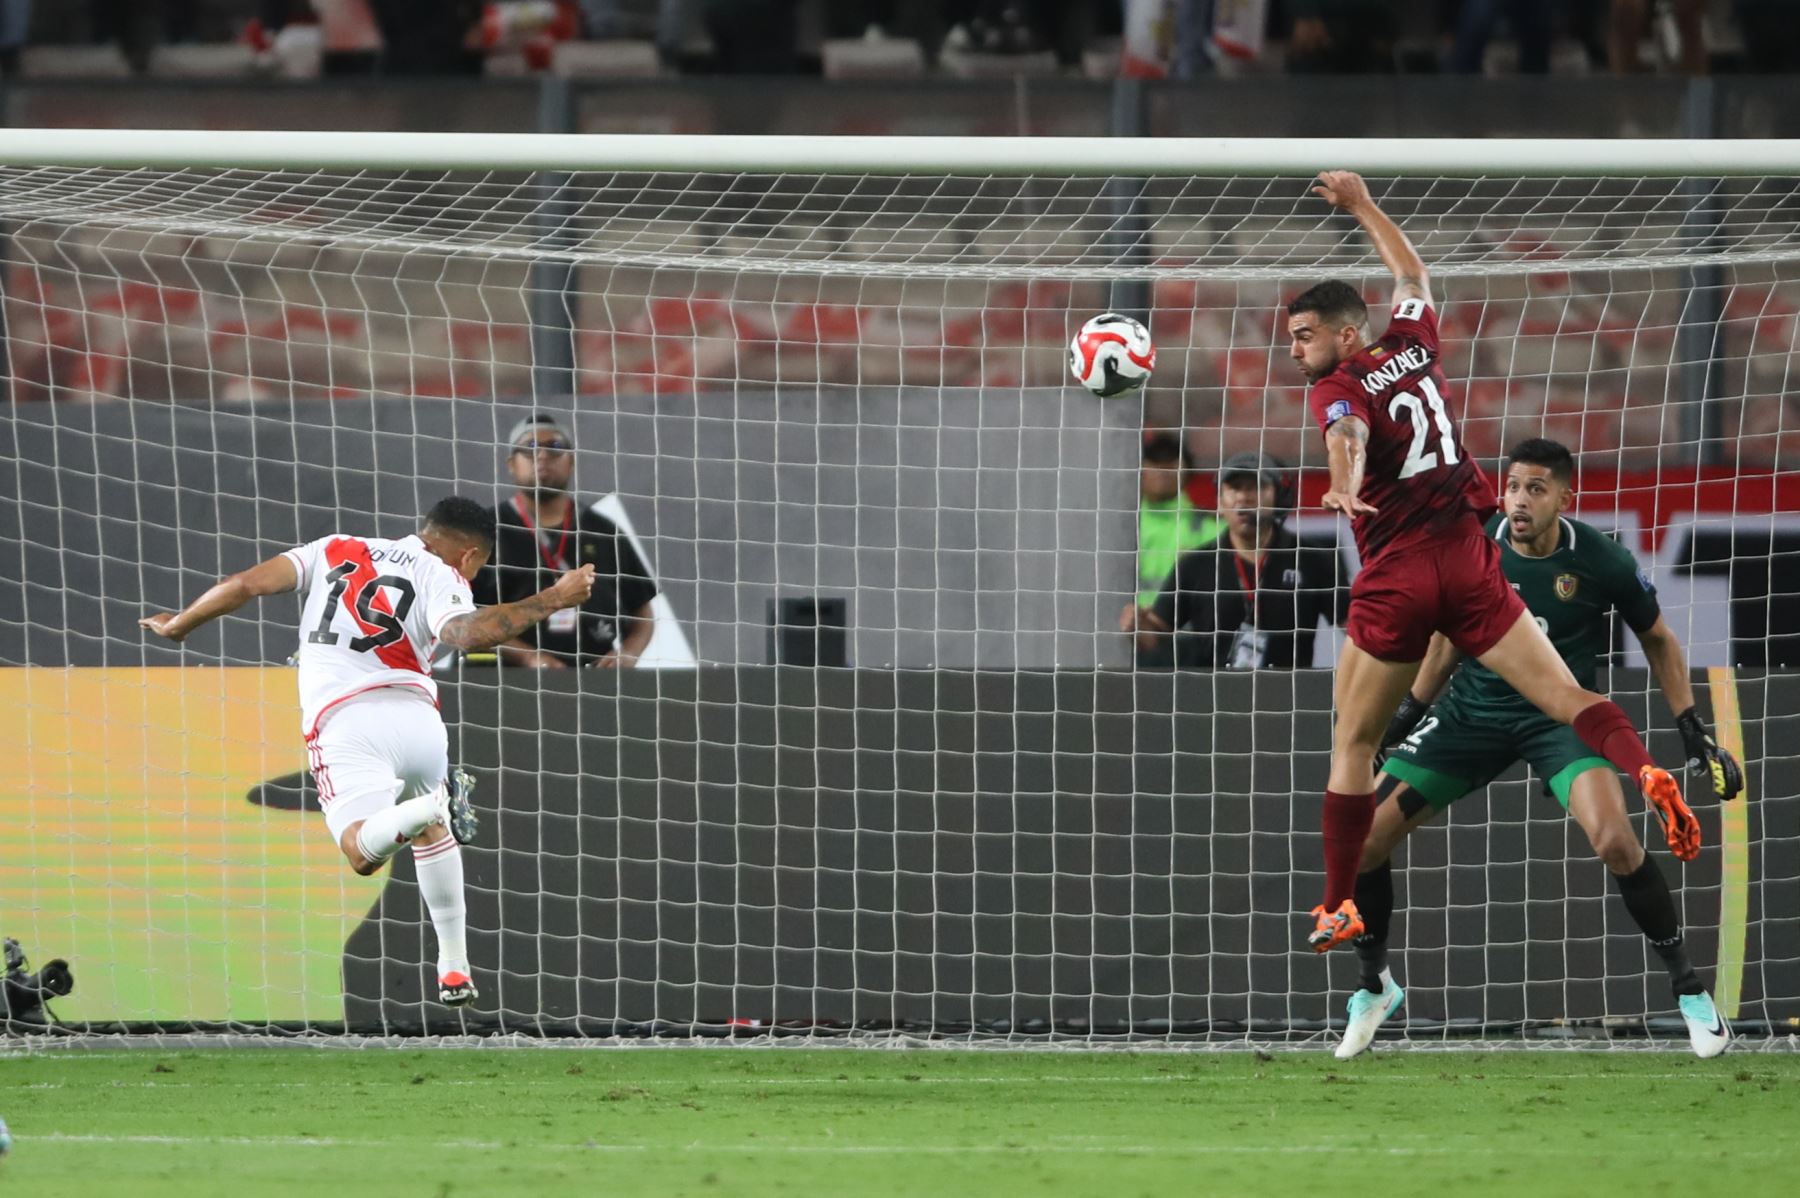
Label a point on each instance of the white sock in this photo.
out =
(440, 870)
(382, 834)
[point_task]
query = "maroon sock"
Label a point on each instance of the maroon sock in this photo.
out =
(1346, 826)
(1607, 730)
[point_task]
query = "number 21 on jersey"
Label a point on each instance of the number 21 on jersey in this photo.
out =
(1420, 458)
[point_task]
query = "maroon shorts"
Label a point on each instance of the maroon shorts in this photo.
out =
(1453, 586)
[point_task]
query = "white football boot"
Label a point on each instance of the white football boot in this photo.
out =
(1707, 1030)
(1368, 1011)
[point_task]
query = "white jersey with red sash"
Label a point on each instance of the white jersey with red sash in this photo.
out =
(373, 612)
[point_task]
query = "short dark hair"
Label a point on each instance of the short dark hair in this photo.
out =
(464, 517)
(1335, 301)
(1164, 447)
(1554, 456)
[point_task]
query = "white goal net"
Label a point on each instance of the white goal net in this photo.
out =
(889, 762)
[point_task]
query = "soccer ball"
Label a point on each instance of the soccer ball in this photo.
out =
(1112, 355)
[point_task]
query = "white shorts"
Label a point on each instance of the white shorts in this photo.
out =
(374, 750)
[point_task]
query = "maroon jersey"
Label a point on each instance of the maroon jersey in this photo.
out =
(1417, 474)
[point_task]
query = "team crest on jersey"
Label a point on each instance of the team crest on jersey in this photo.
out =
(1566, 586)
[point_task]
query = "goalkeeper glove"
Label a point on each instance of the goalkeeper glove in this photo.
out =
(1703, 752)
(1406, 718)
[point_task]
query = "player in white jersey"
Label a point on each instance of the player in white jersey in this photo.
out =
(374, 612)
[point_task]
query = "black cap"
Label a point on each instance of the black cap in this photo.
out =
(1266, 468)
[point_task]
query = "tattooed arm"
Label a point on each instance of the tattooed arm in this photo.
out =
(495, 625)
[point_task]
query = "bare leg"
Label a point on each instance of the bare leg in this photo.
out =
(1391, 826)
(1598, 805)
(1365, 692)
(1530, 664)
(1689, 20)
(1625, 29)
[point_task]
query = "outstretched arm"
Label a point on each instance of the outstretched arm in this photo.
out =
(495, 625)
(1346, 190)
(273, 577)
(1668, 664)
(1347, 449)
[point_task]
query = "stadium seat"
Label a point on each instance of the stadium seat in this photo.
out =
(882, 58)
(221, 60)
(73, 62)
(1101, 59)
(605, 60)
(964, 64)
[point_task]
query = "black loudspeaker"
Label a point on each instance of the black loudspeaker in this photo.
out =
(808, 631)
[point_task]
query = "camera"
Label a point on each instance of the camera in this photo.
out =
(23, 994)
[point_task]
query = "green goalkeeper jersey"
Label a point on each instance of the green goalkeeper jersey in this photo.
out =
(1569, 591)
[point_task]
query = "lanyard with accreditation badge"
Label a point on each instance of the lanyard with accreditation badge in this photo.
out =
(563, 621)
(1250, 648)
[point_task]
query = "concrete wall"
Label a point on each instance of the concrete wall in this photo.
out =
(1014, 851)
(965, 528)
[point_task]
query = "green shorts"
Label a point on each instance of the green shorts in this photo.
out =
(1452, 753)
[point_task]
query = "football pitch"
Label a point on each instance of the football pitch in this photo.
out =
(751, 1121)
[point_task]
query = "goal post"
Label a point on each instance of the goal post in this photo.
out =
(1075, 157)
(891, 763)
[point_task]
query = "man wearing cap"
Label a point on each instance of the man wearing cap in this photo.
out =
(539, 532)
(1254, 598)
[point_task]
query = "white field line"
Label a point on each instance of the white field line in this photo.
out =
(1346, 1073)
(914, 1149)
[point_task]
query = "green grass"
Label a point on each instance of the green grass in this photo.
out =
(801, 1122)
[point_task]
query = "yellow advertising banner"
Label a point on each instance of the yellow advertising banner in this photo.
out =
(137, 840)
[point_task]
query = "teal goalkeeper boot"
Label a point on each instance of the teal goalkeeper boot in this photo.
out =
(1707, 1030)
(1368, 1011)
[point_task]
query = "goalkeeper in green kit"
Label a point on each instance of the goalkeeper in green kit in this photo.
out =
(1445, 744)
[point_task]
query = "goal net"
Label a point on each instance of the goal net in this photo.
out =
(889, 762)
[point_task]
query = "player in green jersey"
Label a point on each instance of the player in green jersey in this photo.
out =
(1570, 576)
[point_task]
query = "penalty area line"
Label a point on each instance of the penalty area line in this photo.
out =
(697, 1147)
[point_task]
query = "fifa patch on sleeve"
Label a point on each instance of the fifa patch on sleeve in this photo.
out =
(1339, 409)
(1643, 577)
(1412, 309)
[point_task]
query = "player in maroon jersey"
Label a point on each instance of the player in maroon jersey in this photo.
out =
(1418, 505)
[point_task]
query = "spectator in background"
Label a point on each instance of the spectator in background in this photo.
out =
(1630, 23)
(658, 19)
(15, 27)
(1168, 525)
(139, 26)
(1341, 37)
(1771, 35)
(1252, 599)
(754, 37)
(1529, 20)
(921, 20)
(539, 534)
(429, 37)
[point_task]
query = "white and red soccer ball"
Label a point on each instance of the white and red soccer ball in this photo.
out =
(1111, 355)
